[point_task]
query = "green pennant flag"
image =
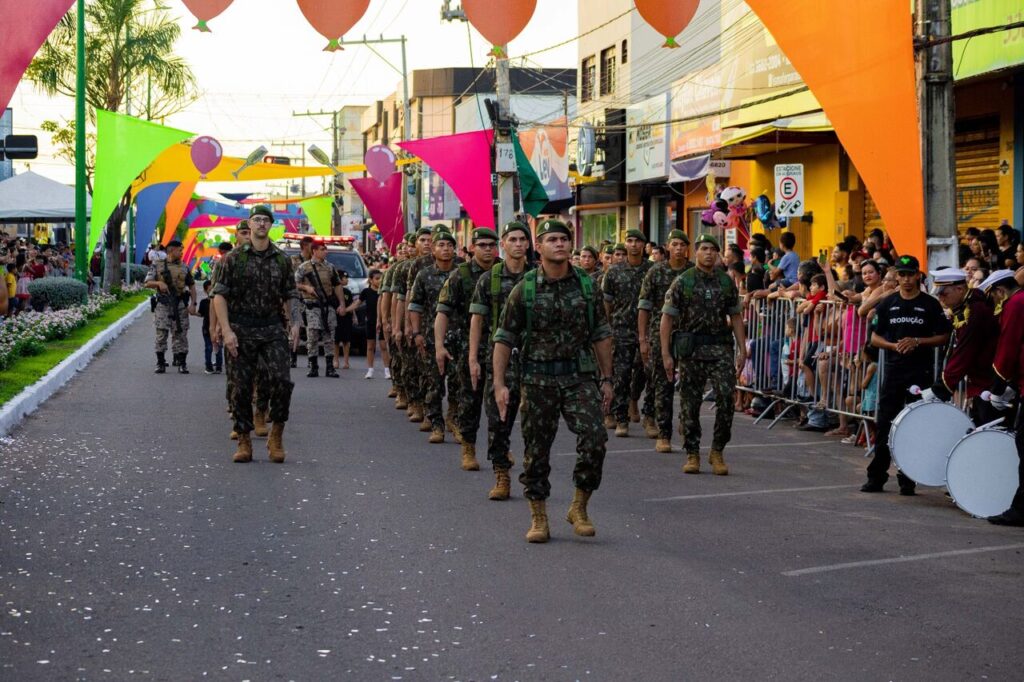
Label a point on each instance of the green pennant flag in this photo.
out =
(535, 197)
(276, 233)
(125, 147)
(318, 210)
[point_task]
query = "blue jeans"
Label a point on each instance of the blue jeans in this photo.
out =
(209, 354)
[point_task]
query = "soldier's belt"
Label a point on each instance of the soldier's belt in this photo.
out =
(551, 368)
(254, 321)
(713, 339)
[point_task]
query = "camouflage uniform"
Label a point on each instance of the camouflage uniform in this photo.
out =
(163, 318)
(415, 385)
(257, 285)
(621, 287)
(499, 433)
(652, 296)
(552, 383)
(454, 301)
(393, 355)
(319, 332)
(701, 302)
(423, 297)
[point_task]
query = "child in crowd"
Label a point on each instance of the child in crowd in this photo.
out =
(11, 282)
(213, 353)
(813, 310)
(866, 379)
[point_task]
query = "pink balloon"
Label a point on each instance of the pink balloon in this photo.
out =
(206, 154)
(380, 162)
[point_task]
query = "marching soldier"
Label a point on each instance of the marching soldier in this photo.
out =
(175, 301)
(253, 290)
(451, 339)
(320, 286)
(426, 289)
(296, 306)
(384, 315)
(700, 318)
(492, 290)
(590, 262)
(402, 286)
(652, 296)
(621, 288)
(564, 341)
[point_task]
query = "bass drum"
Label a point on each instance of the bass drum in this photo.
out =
(981, 472)
(922, 436)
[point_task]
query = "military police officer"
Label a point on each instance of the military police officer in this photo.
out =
(175, 301)
(320, 286)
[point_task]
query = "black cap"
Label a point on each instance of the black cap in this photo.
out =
(907, 264)
(224, 247)
(173, 243)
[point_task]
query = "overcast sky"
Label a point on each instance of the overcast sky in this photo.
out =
(263, 61)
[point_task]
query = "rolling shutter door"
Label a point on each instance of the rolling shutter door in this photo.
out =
(977, 173)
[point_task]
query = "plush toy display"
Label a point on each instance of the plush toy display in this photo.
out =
(736, 198)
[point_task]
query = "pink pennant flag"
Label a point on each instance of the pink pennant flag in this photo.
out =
(464, 162)
(26, 27)
(384, 203)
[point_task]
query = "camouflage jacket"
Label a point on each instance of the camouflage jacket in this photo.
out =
(255, 283)
(399, 279)
(652, 295)
(415, 266)
(483, 303)
(324, 271)
(701, 303)
(457, 294)
(560, 330)
(423, 297)
(621, 287)
(388, 278)
(179, 274)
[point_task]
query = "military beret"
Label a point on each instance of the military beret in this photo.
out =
(619, 247)
(708, 239)
(410, 238)
(173, 243)
(609, 249)
(243, 225)
(591, 250)
(552, 226)
(514, 226)
(484, 233)
(261, 209)
(443, 236)
(678, 234)
(424, 231)
(441, 227)
(636, 234)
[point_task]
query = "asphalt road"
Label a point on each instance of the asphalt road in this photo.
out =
(131, 546)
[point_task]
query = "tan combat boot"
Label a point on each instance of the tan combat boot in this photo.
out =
(275, 446)
(244, 452)
(427, 427)
(692, 465)
(436, 432)
(539, 531)
(502, 489)
(234, 434)
(663, 445)
(469, 462)
(393, 392)
(402, 401)
(634, 412)
(609, 421)
(415, 412)
(622, 430)
(650, 428)
(577, 516)
(718, 467)
(259, 422)
(511, 461)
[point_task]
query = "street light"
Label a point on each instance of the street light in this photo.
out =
(320, 156)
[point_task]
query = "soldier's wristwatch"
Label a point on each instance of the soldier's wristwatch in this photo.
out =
(606, 380)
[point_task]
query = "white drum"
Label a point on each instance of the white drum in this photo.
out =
(981, 472)
(922, 436)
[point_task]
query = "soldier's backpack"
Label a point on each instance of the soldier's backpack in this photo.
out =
(530, 297)
(243, 260)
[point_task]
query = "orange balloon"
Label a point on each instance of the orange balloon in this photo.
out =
(332, 18)
(499, 22)
(668, 17)
(204, 10)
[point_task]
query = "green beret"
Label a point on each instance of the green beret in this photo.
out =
(707, 238)
(609, 249)
(261, 209)
(243, 225)
(409, 238)
(619, 247)
(514, 226)
(552, 226)
(678, 234)
(424, 231)
(441, 227)
(591, 250)
(443, 236)
(484, 233)
(636, 234)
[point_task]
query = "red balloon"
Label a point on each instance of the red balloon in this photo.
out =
(332, 18)
(499, 22)
(380, 162)
(204, 10)
(668, 17)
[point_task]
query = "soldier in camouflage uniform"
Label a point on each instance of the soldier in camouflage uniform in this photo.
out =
(621, 288)
(175, 301)
(602, 268)
(384, 315)
(492, 290)
(451, 339)
(590, 261)
(702, 308)
(253, 291)
(559, 325)
(652, 298)
(421, 257)
(296, 307)
(426, 289)
(320, 286)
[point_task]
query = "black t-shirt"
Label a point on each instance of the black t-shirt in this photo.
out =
(347, 319)
(369, 297)
(897, 318)
(755, 278)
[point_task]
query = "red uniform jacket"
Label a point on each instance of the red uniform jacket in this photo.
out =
(973, 346)
(1009, 360)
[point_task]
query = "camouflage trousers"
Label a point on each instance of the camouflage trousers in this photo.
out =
(662, 393)
(717, 368)
(412, 373)
(259, 387)
(260, 349)
(318, 333)
(580, 406)
(499, 432)
(395, 363)
(166, 326)
(432, 387)
(625, 364)
(643, 385)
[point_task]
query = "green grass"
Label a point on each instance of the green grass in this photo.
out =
(28, 370)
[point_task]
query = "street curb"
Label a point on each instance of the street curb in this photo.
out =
(26, 402)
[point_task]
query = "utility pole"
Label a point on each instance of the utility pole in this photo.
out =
(302, 154)
(935, 91)
(505, 154)
(81, 226)
(336, 144)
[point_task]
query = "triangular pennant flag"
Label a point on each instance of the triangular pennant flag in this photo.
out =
(319, 211)
(384, 204)
(26, 27)
(878, 126)
(150, 205)
(125, 146)
(464, 162)
(535, 197)
(177, 206)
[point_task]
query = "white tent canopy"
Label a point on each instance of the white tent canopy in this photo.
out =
(31, 197)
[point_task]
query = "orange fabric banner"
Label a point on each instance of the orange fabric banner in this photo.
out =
(858, 59)
(175, 210)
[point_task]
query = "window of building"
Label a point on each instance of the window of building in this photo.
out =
(624, 52)
(588, 75)
(609, 71)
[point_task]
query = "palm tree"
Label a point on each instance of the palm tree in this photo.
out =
(130, 49)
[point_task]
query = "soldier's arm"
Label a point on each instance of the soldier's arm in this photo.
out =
(440, 328)
(507, 337)
(152, 280)
(608, 294)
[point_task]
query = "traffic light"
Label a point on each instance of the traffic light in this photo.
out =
(19, 147)
(279, 160)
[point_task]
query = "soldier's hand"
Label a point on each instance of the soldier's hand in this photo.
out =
(192, 311)
(442, 356)
(670, 368)
(474, 373)
(645, 351)
(606, 397)
(215, 335)
(231, 343)
(741, 360)
(420, 342)
(501, 398)
(397, 335)
(340, 310)
(161, 287)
